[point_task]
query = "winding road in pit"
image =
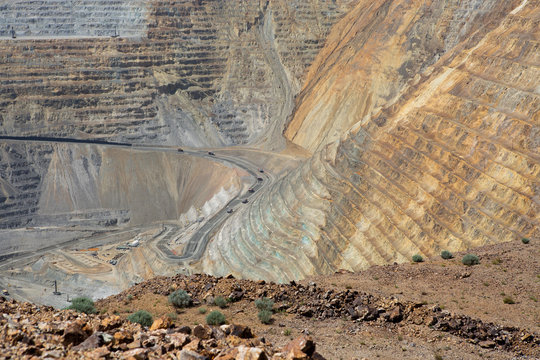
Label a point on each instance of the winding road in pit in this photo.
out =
(196, 245)
(198, 242)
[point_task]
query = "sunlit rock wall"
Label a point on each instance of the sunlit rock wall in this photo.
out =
(452, 163)
(383, 45)
(198, 73)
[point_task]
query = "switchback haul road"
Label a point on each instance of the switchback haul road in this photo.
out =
(196, 245)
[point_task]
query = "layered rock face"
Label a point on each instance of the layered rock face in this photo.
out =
(452, 161)
(198, 73)
(383, 45)
(55, 18)
(93, 187)
(21, 172)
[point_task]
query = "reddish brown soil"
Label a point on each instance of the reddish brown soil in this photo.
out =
(506, 270)
(476, 292)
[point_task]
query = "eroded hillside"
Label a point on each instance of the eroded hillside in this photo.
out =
(451, 162)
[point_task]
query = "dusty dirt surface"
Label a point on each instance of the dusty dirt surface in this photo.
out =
(440, 309)
(508, 270)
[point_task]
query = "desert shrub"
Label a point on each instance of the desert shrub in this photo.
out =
(264, 304)
(508, 300)
(202, 310)
(287, 332)
(173, 316)
(128, 299)
(417, 258)
(180, 298)
(445, 254)
(221, 302)
(83, 304)
(470, 259)
(265, 316)
(215, 318)
(141, 317)
(525, 240)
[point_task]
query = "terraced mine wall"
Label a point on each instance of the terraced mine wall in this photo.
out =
(453, 164)
(21, 171)
(60, 18)
(198, 73)
(364, 44)
(76, 188)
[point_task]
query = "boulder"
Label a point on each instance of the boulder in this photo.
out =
(163, 322)
(93, 341)
(184, 329)
(241, 331)
(191, 355)
(394, 315)
(74, 334)
(302, 345)
(136, 354)
(203, 332)
(122, 337)
(193, 345)
(99, 353)
(178, 340)
(110, 322)
(242, 352)
(236, 295)
(305, 311)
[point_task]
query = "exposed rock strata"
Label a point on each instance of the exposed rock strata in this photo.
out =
(59, 18)
(383, 45)
(99, 187)
(21, 173)
(452, 164)
(181, 72)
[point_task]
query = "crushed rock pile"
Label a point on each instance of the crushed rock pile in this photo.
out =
(29, 331)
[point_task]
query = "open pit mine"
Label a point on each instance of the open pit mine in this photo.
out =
(267, 139)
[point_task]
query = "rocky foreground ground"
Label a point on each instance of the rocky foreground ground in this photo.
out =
(349, 316)
(31, 332)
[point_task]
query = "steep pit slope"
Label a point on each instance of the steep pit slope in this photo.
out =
(55, 18)
(454, 164)
(198, 73)
(92, 187)
(383, 45)
(20, 182)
